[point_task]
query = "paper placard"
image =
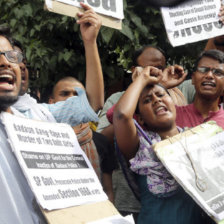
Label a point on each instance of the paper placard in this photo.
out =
(63, 8)
(195, 159)
(192, 21)
(57, 170)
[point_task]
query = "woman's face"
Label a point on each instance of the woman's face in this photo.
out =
(156, 109)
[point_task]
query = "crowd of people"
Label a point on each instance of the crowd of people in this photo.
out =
(159, 103)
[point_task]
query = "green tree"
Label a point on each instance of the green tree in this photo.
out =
(54, 47)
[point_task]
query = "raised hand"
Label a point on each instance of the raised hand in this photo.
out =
(149, 75)
(90, 23)
(173, 76)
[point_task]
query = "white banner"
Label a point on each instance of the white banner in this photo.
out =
(192, 21)
(113, 8)
(55, 166)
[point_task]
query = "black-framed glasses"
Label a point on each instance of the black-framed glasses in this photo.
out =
(215, 71)
(13, 56)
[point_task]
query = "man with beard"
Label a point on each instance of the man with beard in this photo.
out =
(18, 204)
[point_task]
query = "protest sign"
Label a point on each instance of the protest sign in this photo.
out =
(55, 166)
(192, 21)
(110, 11)
(195, 159)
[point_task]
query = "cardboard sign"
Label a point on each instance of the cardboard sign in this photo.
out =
(192, 21)
(57, 170)
(110, 11)
(195, 159)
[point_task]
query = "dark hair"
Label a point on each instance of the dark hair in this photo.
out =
(213, 53)
(16, 43)
(148, 87)
(138, 52)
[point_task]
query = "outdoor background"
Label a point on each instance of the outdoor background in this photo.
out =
(54, 47)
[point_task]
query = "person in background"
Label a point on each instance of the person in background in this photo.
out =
(93, 144)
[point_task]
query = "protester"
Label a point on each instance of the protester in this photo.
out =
(162, 199)
(93, 144)
(18, 204)
(208, 79)
(148, 55)
(89, 26)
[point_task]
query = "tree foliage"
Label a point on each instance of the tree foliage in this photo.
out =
(54, 47)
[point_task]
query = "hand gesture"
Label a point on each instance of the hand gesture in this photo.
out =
(149, 75)
(89, 23)
(173, 76)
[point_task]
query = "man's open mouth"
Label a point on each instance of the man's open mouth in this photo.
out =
(7, 80)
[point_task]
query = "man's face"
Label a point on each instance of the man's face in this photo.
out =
(156, 109)
(65, 89)
(207, 84)
(24, 75)
(152, 57)
(10, 77)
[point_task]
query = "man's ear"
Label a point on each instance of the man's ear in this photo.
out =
(51, 100)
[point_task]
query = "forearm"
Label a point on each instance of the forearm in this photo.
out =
(126, 106)
(94, 76)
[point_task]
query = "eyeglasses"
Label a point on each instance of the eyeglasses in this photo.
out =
(217, 72)
(13, 56)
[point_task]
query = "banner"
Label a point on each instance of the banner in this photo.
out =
(55, 166)
(192, 21)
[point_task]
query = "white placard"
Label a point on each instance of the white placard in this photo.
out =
(55, 166)
(196, 162)
(192, 21)
(113, 8)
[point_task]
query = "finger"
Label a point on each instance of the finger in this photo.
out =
(155, 72)
(91, 21)
(137, 71)
(87, 13)
(89, 16)
(85, 6)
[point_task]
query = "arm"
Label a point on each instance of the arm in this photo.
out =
(89, 27)
(124, 127)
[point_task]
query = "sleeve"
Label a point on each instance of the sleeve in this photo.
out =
(103, 121)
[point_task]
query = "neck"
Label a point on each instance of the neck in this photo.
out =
(204, 106)
(173, 131)
(8, 110)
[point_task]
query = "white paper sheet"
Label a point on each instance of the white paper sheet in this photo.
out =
(55, 166)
